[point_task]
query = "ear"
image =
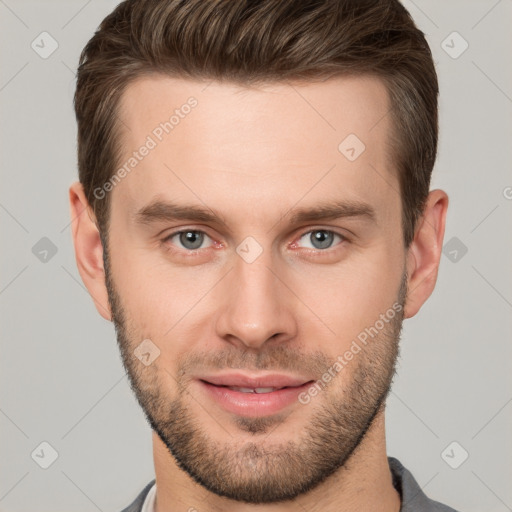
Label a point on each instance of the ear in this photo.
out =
(88, 249)
(424, 253)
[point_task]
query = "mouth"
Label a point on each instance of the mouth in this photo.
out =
(254, 401)
(251, 390)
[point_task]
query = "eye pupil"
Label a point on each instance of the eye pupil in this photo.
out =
(191, 239)
(321, 239)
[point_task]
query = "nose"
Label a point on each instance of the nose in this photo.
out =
(256, 303)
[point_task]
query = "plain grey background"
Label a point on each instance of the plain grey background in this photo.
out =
(62, 381)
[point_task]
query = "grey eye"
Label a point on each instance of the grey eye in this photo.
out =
(191, 239)
(320, 238)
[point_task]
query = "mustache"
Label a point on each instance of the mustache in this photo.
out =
(279, 358)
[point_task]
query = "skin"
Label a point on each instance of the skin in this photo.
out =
(253, 156)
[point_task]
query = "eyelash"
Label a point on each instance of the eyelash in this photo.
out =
(309, 250)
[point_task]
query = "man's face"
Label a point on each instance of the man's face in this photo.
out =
(256, 289)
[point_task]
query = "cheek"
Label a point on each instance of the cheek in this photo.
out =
(159, 298)
(174, 305)
(351, 296)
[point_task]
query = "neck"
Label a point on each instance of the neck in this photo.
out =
(363, 483)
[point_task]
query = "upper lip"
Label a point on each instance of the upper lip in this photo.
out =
(253, 381)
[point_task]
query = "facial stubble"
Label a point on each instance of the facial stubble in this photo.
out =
(259, 470)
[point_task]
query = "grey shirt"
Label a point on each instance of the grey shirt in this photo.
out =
(413, 498)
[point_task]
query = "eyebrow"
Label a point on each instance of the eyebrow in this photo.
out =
(158, 211)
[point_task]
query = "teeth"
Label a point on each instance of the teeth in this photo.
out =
(251, 390)
(264, 390)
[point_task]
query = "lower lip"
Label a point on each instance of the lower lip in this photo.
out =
(253, 404)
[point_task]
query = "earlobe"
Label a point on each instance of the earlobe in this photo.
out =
(88, 249)
(424, 253)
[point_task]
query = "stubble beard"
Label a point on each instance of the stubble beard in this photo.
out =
(260, 470)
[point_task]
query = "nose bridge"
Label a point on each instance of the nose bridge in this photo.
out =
(256, 306)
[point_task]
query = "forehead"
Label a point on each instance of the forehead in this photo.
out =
(280, 140)
(330, 108)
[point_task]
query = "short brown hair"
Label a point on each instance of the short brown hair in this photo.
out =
(256, 42)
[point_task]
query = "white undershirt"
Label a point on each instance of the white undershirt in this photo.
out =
(149, 502)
